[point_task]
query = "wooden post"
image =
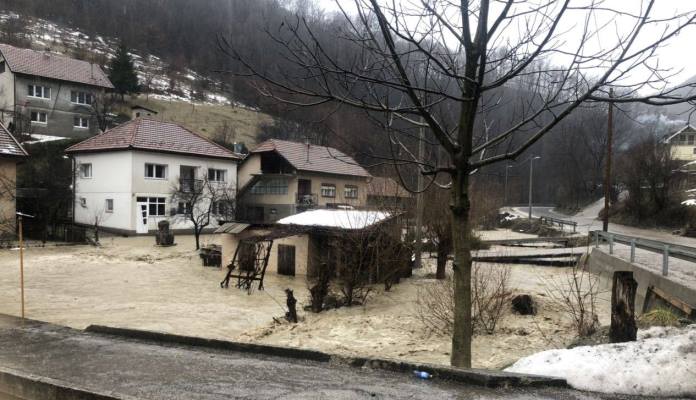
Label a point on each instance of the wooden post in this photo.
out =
(623, 299)
(291, 315)
(21, 263)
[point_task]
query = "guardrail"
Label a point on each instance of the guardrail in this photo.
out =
(560, 222)
(666, 249)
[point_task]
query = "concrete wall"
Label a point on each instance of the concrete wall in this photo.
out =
(302, 245)
(120, 175)
(605, 265)
(7, 100)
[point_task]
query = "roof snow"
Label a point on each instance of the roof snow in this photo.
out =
(343, 219)
(660, 363)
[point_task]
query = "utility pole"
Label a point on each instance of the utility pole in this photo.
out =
(531, 181)
(21, 261)
(419, 200)
(505, 199)
(607, 168)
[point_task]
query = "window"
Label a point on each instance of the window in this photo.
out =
(86, 170)
(184, 208)
(137, 114)
(690, 140)
(83, 202)
(156, 171)
(350, 192)
(222, 208)
(2, 67)
(81, 122)
(270, 186)
(694, 150)
(39, 117)
(80, 97)
(155, 205)
(216, 175)
(328, 190)
(43, 92)
(109, 206)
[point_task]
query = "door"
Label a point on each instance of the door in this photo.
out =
(286, 260)
(304, 187)
(141, 218)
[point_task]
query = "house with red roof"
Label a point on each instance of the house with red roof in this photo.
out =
(127, 178)
(280, 178)
(49, 94)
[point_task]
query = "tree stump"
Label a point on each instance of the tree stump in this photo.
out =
(623, 299)
(291, 315)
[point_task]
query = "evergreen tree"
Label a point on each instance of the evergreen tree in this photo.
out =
(121, 72)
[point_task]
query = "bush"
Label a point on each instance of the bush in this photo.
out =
(658, 317)
(576, 296)
(490, 297)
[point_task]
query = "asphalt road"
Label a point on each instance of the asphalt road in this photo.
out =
(151, 371)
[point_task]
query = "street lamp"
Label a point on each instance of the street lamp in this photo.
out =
(531, 174)
(507, 168)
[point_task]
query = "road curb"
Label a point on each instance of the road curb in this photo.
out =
(29, 386)
(479, 377)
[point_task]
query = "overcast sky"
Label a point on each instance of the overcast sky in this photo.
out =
(677, 55)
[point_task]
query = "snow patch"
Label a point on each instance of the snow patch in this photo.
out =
(344, 219)
(662, 362)
(689, 202)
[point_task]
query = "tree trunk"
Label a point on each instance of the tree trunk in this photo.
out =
(197, 234)
(623, 299)
(442, 254)
(461, 336)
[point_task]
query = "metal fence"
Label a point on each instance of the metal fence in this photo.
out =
(560, 222)
(666, 249)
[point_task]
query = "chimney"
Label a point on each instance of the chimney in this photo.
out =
(308, 146)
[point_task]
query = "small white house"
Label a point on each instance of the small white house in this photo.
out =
(127, 177)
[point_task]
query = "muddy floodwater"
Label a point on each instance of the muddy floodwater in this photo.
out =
(129, 282)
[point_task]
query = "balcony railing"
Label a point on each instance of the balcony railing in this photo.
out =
(190, 185)
(306, 200)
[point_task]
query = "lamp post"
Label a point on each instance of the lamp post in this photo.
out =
(531, 175)
(505, 199)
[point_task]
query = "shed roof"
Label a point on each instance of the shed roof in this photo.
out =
(152, 135)
(9, 146)
(54, 66)
(313, 158)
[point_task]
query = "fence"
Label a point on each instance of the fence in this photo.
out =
(666, 249)
(560, 222)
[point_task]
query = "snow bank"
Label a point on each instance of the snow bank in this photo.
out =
(345, 219)
(661, 363)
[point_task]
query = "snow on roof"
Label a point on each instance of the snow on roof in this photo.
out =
(659, 363)
(689, 202)
(343, 219)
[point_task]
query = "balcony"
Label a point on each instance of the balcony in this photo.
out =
(306, 200)
(190, 185)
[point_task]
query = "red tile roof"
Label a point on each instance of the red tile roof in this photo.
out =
(151, 135)
(54, 66)
(322, 159)
(9, 146)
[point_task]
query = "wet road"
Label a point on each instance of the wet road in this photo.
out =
(150, 371)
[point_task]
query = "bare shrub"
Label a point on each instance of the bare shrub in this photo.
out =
(575, 294)
(490, 298)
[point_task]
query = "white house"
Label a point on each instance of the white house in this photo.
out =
(127, 177)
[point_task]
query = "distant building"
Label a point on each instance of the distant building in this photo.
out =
(11, 153)
(127, 175)
(49, 94)
(383, 192)
(682, 143)
(280, 178)
(142, 111)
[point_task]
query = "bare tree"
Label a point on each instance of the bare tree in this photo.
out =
(201, 200)
(448, 67)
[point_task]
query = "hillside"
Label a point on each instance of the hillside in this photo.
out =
(184, 96)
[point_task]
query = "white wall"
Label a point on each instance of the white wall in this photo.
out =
(111, 179)
(121, 175)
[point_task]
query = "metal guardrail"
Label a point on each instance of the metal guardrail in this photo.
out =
(559, 221)
(666, 249)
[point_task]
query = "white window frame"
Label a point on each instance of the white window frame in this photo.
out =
(32, 91)
(82, 122)
(154, 166)
(109, 205)
(38, 117)
(328, 190)
(86, 167)
(352, 189)
(82, 98)
(218, 175)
